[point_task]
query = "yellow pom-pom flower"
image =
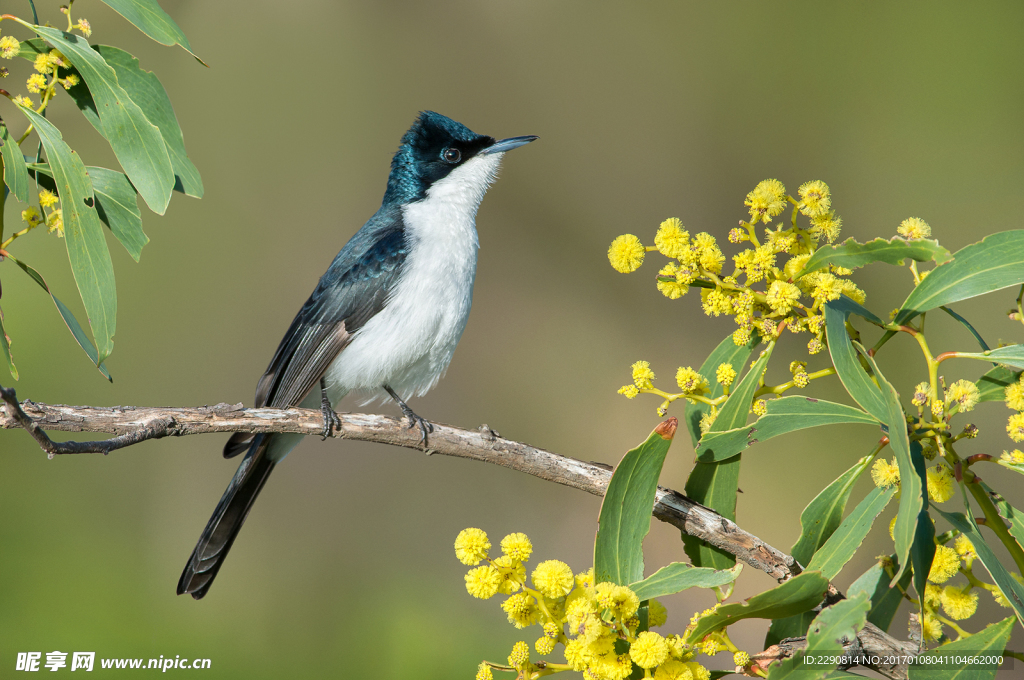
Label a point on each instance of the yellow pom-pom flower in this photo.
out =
(964, 548)
(1014, 396)
(828, 225)
(85, 27)
(47, 199)
(781, 296)
(940, 484)
(767, 200)
(672, 240)
(643, 376)
(544, 645)
(42, 63)
(521, 610)
(959, 603)
(657, 615)
(931, 628)
(471, 546)
(483, 582)
(709, 256)
(649, 650)
(629, 391)
(698, 671)
(1015, 427)
(815, 200)
(517, 547)
(55, 222)
(741, 659)
(1015, 457)
(9, 47)
(31, 216)
(36, 82)
(673, 670)
(483, 672)
(945, 564)
(914, 227)
(690, 381)
(921, 394)
(678, 286)
(626, 253)
(553, 578)
(70, 81)
(885, 473)
(760, 407)
(725, 374)
(520, 655)
(964, 394)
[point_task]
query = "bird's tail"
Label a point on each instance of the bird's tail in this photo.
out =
(227, 519)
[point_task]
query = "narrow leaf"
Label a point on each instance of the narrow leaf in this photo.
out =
(800, 593)
(1011, 355)
(726, 353)
(841, 621)
(15, 172)
(1011, 514)
(885, 599)
(967, 324)
(785, 415)
(824, 514)
(87, 247)
(840, 547)
(151, 19)
(680, 576)
(626, 509)
(136, 142)
(988, 642)
(853, 255)
(992, 385)
(5, 347)
(69, 318)
(994, 263)
(851, 373)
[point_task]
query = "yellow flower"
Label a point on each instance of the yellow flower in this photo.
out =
(937, 408)
(814, 346)
(517, 547)
(483, 672)
(613, 668)
(676, 289)
(553, 578)
(57, 58)
(825, 286)
(931, 628)
(585, 579)
(31, 216)
(544, 645)
(84, 26)
(629, 391)
(767, 200)
(884, 473)
(70, 81)
(624, 603)
(648, 650)
(47, 198)
(483, 582)
(741, 659)
(940, 484)
(698, 671)
(673, 670)
(657, 615)
(1014, 395)
(55, 223)
(760, 407)
(9, 47)
(709, 256)
(964, 548)
(715, 302)
(576, 654)
(471, 546)
(998, 596)
(1015, 427)
(741, 336)
(851, 291)
(707, 420)
(36, 82)
(815, 200)
(781, 296)
(892, 527)
(520, 609)
(690, 381)
(725, 374)
(643, 375)
(959, 604)
(921, 394)
(626, 253)
(513, 574)
(932, 595)
(794, 266)
(828, 225)
(672, 240)
(1015, 457)
(964, 393)
(42, 63)
(945, 564)
(520, 655)
(914, 227)
(23, 101)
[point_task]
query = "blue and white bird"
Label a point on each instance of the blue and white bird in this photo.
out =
(383, 321)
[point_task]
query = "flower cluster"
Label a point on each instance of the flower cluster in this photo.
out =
(598, 624)
(1014, 397)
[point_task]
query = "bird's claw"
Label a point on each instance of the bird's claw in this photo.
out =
(331, 420)
(425, 426)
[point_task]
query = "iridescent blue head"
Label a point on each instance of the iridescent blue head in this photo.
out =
(432, 148)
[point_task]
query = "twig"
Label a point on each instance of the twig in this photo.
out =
(133, 425)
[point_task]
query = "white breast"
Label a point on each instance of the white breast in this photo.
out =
(409, 343)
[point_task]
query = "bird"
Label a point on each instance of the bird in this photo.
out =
(383, 320)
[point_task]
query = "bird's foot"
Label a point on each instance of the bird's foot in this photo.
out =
(331, 419)
(414, 420)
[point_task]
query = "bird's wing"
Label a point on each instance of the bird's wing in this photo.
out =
(350, 293)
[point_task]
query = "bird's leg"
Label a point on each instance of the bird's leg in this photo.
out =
(331, 419)
(414, 419)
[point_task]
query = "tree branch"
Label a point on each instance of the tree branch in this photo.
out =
(133, 425)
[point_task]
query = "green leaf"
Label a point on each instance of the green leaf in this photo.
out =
(626, 509)
(995, 262)
(853, 255)
(116, 205)
(69, 318)
(1012, 590)
(990, 641)
(1011, 355)
(824, 514)
(15, 172)
(785, 415)
(136, 142)
(843, 620)
(885, 600)
(151, 19)
(726, 353)
(992, 385)
(83, 234)
(851, 373)
(841, 545)
(145, 90)
(800, 593)
(5, 346)
(715, 485)
(967, 324)
(680, 576)
(1011, 514)
(32, 48)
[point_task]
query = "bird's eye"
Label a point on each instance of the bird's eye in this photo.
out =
(452, 155)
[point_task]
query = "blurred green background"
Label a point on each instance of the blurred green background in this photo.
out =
(645, 111)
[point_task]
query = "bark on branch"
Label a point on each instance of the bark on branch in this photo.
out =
(133, 424)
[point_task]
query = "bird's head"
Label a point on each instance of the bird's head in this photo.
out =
(436, 148)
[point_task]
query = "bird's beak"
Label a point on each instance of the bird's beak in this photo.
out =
(503, 145)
